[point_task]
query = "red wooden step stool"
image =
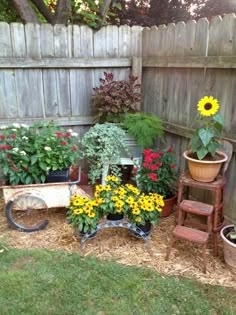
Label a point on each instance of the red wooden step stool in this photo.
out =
(196, 208)
(191, 235)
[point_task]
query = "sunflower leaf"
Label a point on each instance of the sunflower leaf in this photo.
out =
(219, 119)
(205, 135)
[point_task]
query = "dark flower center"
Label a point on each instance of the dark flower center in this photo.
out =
(208, 106)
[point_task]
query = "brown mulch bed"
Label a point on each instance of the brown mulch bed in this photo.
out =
(118, 244)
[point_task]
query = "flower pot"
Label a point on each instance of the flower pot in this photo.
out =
(205, 170)
(229, 247)
(115, 216)
(146, 228)
(133, 147)
(168, 206)
(58, 176)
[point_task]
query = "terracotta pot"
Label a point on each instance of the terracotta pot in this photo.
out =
(203, 170)
(168, 207)
(229, 247)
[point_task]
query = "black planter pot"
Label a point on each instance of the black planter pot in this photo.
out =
(58, 176)
(146, 228)
(115, 216)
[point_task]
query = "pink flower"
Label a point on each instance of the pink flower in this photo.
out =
(172, 166)
(12, 136)
(170, 149)
(73, 148)
(63, 143)
(2, 137)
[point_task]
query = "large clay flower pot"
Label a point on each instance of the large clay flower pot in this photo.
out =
(229, 247)
(204, 170)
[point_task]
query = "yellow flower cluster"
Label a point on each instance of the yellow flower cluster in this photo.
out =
(84, 205)
(146, 203)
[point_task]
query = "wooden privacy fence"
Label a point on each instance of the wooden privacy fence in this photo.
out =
(49, 72)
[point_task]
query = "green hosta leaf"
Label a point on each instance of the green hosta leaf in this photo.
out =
(205, 135)
(202, 153)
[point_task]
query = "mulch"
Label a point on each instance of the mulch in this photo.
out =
(118, 244)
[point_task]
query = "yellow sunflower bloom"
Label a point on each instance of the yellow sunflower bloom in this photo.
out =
(208, 106)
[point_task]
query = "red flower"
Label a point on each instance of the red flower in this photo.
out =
(155, 155)
(67, 134)
(12, 136)
(2, 137)
(148, 159)
(6, 147)
(172, 166)
(63, 143)
(153, 177)
(170, 149)
(59, 134)
(14, 168)
(146, 152)
(153, 167)
(146, 165)
(11, 162)
(73, 148)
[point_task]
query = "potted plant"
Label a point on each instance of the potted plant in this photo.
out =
(83, 214)
(204, 157)
(157, 174)
(102, 145)
(113, 98)
(228, 235)
(29, 153)
(142, 210)
(144, 127)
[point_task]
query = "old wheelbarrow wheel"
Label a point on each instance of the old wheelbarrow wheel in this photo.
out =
(27, 213)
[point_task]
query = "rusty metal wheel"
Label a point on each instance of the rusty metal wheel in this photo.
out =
(27, 213)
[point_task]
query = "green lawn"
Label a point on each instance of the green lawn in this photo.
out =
(46, 282)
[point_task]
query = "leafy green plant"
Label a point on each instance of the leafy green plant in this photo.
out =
(144, 127)
(83, 213)
(114, 98)
(204, 142)
(157, 172)
(28, 153)
(102, 144)
(231, 236)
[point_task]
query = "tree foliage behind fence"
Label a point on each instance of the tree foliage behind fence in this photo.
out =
(49, 73)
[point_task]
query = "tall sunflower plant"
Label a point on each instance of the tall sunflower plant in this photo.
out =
(205, 140)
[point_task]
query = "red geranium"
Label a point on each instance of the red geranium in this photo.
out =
(157, 172)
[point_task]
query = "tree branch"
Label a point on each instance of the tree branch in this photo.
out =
(62, 13)
(40, 5)
(25, 11)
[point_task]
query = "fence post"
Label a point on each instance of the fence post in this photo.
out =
(137, 72)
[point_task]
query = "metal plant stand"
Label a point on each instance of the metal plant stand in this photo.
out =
(137, 232)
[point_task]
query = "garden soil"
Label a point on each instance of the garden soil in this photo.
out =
(119, 245)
